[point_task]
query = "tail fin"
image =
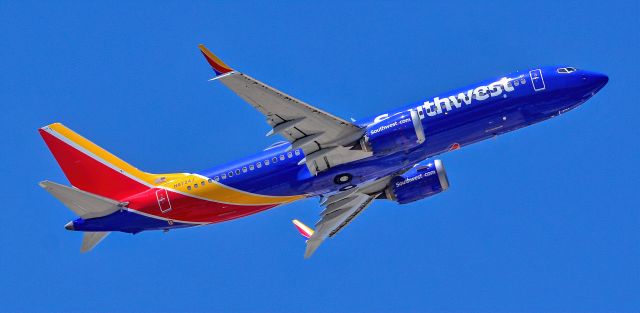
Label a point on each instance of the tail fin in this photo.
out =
(93, 169)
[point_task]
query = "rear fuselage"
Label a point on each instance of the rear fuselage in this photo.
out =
(272, 177)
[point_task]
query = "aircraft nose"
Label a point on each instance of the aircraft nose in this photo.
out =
(595, 80)
(69, 226)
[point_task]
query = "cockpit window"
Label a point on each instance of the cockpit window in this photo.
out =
(566, 70)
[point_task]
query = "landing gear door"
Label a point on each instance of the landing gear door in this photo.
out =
(537, 80)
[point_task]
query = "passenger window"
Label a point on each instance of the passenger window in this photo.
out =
(216, 178)
(259, 165)
(202, 183)
(274, 160)
(210, 181)
(282, 157)
(230, 174)
(290, 155)
(244, 169)
(251, 167)
(195, 186)
(238, 172)
(224, 176)
(266, 162)
(188, 187)
(297, 152)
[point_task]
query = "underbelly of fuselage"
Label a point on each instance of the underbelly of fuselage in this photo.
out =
(146, 212)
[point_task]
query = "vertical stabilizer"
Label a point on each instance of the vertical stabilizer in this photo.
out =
(91, 168)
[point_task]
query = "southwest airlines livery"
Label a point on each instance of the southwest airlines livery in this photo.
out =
(347, 164)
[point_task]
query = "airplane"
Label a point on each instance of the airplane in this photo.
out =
(347, 165)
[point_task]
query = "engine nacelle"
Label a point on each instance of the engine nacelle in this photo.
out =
(422, 181)
(399, 132)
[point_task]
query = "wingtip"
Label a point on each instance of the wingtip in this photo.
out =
(303, 229)
(219, 67)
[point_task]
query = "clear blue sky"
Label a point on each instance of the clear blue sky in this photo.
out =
(543, 219)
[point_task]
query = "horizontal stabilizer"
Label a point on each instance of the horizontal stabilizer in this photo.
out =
(84, 204)
(91, 239)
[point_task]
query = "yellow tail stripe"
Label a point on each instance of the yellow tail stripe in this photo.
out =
(103, 154)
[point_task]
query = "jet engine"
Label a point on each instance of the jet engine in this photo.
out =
(424, 180)
(399, 132)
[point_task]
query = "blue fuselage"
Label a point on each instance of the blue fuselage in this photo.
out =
(450, 120)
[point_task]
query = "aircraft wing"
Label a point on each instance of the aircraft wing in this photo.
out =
(335, 217)
(326, 140)
(340, 209)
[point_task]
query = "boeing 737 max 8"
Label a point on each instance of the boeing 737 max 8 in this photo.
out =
(347, 164)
